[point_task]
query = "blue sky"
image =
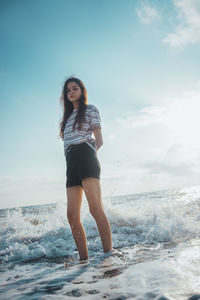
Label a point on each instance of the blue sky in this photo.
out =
(140, 63)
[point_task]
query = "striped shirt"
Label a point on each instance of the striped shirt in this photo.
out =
(92, 120)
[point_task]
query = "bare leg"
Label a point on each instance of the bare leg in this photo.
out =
(92, 191)
(74, 200)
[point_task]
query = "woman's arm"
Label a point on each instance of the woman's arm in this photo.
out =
(98, 137)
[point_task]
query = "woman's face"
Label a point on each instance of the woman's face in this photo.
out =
(73, 92)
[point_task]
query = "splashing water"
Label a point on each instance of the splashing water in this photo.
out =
(155, 237)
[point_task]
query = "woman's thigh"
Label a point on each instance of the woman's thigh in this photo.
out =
(92, 190)
(74, 200)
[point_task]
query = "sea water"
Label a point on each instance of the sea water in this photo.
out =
(156, 250)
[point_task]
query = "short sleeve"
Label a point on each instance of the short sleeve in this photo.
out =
(95, 116)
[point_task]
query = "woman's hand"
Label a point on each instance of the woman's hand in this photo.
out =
(98, 137)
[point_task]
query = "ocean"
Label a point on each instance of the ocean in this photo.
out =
(156, 250)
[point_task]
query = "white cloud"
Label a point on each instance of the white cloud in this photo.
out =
(158, 147)
(112, 136)
(180, 117)
(188, 30)
(144, 117)
(147, 13)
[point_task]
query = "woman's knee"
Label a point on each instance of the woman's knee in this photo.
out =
(96, 212)
(73, 218)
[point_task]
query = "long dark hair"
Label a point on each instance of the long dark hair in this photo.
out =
(68, 105)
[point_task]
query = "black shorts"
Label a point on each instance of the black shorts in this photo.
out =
(81, 162)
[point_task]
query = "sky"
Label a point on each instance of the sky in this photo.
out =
(140, 64)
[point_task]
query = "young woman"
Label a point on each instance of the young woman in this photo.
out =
(83, 168)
